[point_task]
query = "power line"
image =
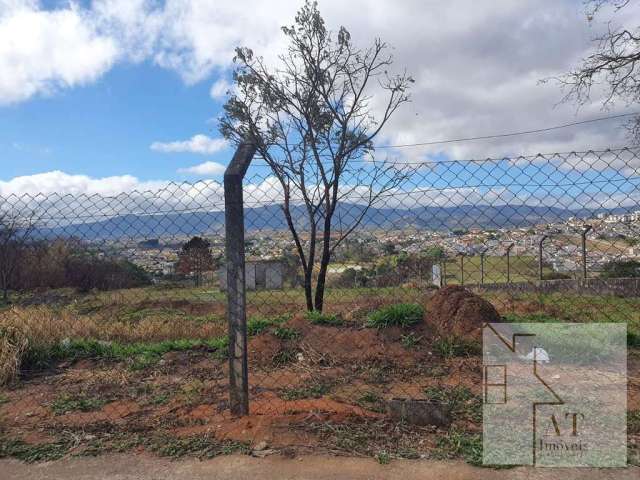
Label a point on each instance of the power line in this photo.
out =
(510, 134)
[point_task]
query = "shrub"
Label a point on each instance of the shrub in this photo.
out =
(400, 314)
(319, 318)
(284, 333)
(256, 324)
(448, 347)
(621, 269)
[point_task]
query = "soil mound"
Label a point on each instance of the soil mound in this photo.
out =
(454, 310)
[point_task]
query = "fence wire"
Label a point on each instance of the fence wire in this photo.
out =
(113, 324)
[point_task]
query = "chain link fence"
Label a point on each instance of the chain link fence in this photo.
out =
(113, 327)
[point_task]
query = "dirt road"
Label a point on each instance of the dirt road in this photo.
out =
(236, 467)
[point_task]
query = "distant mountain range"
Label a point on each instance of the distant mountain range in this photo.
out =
(271, 218)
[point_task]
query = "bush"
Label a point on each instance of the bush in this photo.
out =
(400, 314)
(621, 269)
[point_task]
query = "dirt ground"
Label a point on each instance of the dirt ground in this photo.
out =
(237, 467)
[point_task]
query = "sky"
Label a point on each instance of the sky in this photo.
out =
(108, 96)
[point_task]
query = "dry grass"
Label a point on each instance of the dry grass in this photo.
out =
(37, 328)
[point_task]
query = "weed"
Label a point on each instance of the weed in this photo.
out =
(10, 448)
(457, 443)
(400, 314)
(372, 401)
(137, 355)
(370, 397)
(383, 458)
(78, 403)
(3, 399)
(316, 389)
(410, 340)
(201, 447)
(633, 421)
(256, 324)
(118, 443)
(329, 319)
(283, 357)
(459, 400)
(285, 333)
(192, 391)
(159, 399)
(449, 347)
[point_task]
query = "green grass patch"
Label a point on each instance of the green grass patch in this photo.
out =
(633, 422)
(410, 340)
(316, 389)
(258, 324)
(285, 333)
(45, 452)
(400, 314)
(137, 355)
(449, 347)
(198, 446)
(76, 403)
(459, 444)
(459, 400)
(383, 458)
(328, 319)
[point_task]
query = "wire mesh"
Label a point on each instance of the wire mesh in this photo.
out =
(113, 329)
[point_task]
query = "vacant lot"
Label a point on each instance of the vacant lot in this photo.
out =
(145, 369)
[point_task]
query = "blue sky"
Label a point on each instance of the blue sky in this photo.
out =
(118, 93)
(106, 128)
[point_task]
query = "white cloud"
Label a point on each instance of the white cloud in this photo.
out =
(219, 89)
(477, 65)
(60, 183)
(197, 144)
(43, 51)
(206, 168)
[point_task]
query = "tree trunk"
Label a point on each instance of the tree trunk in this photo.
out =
(308, 291)
(324, 264)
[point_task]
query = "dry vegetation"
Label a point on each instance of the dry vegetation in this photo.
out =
(145, 368)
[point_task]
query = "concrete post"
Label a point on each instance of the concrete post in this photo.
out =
(585, 230)
(544, 237)
(236, 297)
(509, 263)
(461, 268)
(482, 254)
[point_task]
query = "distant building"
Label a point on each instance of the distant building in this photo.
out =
(259, 275)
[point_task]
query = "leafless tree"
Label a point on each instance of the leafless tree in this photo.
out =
(15, 233)
(615, 64)
(312, 118)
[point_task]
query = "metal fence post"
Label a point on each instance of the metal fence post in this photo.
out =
(544, 237)
(585, 230)
(236, 298)
(461, 268)
(482, 254)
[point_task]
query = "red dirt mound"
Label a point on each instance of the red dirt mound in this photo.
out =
(454, 310)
